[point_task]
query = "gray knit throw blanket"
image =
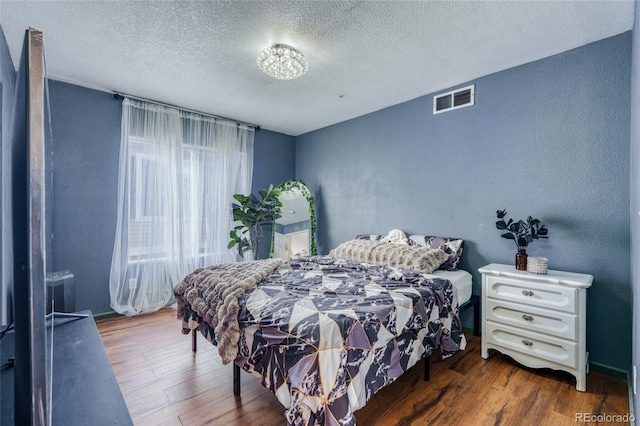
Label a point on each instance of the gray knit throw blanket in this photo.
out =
(213, 294)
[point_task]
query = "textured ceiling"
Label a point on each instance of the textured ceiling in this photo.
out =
(363, 56)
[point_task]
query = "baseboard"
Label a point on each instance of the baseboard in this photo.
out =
(595, 366)
(105, 315)
(113, 314)
(609, 371)
(467, 330)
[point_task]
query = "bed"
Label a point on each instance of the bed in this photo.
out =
(325, 333)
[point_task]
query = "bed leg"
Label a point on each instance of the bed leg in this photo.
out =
(427, 368)
(194, 340)
(475, 302)
(236, 379)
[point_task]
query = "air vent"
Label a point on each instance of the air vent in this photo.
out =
(455, 99)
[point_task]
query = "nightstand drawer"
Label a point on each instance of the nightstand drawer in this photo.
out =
(545, 295)
(539, 348)
(555, 323)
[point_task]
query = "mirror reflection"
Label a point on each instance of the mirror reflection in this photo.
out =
(294, 232)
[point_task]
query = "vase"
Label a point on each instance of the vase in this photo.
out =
(521, 260)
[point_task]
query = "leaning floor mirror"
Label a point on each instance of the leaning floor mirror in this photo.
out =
(294, 233)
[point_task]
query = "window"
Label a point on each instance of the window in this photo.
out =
(146, 215)
(148, 212)
(178, 174)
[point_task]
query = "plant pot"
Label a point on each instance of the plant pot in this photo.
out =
(521, 260)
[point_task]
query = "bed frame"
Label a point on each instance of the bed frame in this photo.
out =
(474, 301)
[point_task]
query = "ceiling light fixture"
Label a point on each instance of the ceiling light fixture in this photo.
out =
(289, 194)
(282, 62)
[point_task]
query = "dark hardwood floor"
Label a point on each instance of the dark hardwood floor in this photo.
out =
(164, 383)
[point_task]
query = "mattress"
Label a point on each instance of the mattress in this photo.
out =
(461, 280)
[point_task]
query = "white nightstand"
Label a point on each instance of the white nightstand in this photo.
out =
(537, 319)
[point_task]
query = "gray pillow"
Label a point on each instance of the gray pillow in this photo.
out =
(421, 259)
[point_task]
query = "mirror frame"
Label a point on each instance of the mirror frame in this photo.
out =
(300, 186)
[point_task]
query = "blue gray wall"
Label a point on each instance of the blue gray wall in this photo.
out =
(86, 143)
(273, 159)
(293, 227)
(635, 195)
(548, 139)
(273, 162)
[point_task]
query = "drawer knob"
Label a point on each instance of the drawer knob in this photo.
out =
(527, 342)
(527, 292)
(527, 317)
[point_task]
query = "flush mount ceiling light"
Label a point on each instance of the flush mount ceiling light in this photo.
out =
(282, 62)
(289, 194)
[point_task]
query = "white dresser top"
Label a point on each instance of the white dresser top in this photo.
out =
(552, 277)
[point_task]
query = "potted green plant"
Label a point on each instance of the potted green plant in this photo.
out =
(253, 212)
(522, 233)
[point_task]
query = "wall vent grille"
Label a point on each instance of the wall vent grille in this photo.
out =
(454, 99)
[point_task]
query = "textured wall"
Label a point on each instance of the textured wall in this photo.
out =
(86, 134)
(273, 162)
(274, 159)
(548, 139)
(86, 145)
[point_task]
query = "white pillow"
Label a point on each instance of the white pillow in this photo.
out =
(396, 236)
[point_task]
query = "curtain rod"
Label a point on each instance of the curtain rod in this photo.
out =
(119, 96)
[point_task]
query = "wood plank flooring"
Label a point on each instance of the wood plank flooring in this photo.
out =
(164, 383)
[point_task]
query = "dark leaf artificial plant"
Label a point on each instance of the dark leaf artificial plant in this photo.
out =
(521, 232)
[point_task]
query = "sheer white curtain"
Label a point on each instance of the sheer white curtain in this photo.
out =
(178, 173)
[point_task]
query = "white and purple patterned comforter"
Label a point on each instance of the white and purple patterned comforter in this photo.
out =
(325, 334)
